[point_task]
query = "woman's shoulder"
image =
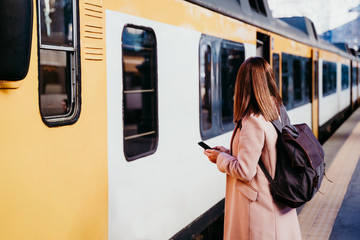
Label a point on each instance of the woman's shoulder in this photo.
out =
(257, 122)
(256, 118)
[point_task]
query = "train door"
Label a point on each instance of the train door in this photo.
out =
(263, 46)
(315, 92)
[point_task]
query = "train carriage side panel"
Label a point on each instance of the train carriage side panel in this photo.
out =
(178, 31)
(157, 195)
(301, 114)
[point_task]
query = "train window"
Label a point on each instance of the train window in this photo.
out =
(58, 61)
(354, 71)
(55, 79)
(231, 57)
(140, 114)
(219, 61)
(296, 81)
(205, 86)
(329, 78)
(56, 22)
(16, 19)
(344, 77)
(276, 67)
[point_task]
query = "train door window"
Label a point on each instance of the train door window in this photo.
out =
(140, 113)
(344, 77)
(231, 57)
(263, 46)
(316, 85)
(354, 73)
(58, 62)
(276, 67)
(329, 78)
(205, 86)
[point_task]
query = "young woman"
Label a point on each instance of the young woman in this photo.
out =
(250, 211)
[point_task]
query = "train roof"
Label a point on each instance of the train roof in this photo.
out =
(258, 13)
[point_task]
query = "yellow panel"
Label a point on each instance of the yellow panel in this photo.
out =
(329, 56)
(53, 181)
(289, 46)
(187, 15)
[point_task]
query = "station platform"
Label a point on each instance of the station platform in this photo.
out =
(335, 213)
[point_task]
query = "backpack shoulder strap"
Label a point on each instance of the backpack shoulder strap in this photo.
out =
(267, 174)
(284, 116)
(279, 125)
(285, 122)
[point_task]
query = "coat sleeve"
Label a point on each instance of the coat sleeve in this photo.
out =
(251, 142)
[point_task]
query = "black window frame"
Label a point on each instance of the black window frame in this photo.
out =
(218, 127)
(206, 86)
(154, 108)
(73, 103)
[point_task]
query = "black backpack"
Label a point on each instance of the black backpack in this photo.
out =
(300, 163)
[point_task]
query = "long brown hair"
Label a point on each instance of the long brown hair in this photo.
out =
(256, 91)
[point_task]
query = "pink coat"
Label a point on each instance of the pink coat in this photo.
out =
(250, 211)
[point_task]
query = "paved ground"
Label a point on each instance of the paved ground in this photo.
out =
(347, 223)
(317, 218)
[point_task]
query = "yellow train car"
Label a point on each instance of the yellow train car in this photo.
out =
(103, 102)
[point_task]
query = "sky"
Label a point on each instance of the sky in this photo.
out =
(325, 14)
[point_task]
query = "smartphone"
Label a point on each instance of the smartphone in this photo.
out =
(204, 145)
